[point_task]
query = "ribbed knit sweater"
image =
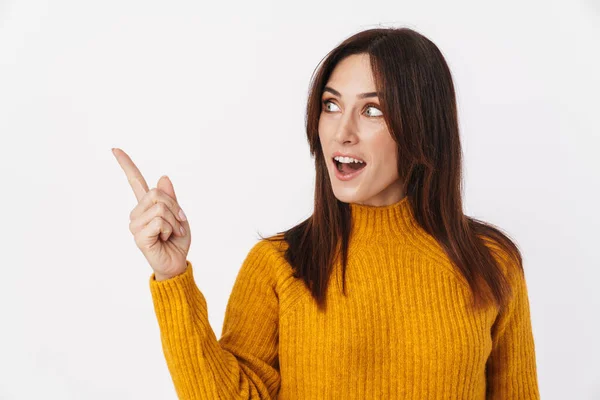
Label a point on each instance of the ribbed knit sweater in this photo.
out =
(404, 331)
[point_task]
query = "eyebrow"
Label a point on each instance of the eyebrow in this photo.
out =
(359, 96)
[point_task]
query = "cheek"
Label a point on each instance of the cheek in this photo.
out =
(324, 128)
(385, 153)
(326, 132)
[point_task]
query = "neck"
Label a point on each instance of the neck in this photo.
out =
(376, 222)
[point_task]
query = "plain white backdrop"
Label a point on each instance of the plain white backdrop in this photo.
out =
(213, 95)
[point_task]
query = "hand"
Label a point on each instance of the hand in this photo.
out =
(156, 222)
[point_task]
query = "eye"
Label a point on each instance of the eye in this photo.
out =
(325, 103)
(374, 107)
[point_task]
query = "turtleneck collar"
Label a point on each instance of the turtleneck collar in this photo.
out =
(393, 220)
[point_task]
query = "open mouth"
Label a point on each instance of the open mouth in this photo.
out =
(348, 168)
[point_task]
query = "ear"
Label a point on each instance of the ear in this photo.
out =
(165, 184)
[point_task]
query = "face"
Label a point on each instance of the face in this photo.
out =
(352, 124)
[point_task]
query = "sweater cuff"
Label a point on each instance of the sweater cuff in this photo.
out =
(179, 303)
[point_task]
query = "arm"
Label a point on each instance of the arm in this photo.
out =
(243, 363)
(511, 367)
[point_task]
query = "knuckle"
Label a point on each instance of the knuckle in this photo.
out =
(153, 193)
(161, 208)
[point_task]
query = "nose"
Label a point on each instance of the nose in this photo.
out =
(346, 129)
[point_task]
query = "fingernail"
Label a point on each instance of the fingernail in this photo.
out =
(182, 230)
(182, 216)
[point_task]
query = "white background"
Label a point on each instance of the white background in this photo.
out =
(213, 95)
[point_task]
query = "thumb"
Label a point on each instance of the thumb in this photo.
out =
(165, 184)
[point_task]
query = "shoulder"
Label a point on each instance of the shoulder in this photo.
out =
(267, 258)
(509, 260)
(511, 264)
(268, 250)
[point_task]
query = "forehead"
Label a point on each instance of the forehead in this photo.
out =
(352, 75)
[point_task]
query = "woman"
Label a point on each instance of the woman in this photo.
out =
(388, 291)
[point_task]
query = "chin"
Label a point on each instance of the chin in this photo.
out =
(347, 195)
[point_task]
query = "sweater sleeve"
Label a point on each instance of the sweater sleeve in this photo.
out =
(511, 367)
(243, 363)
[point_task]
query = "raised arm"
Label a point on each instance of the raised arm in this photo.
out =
(511, 368)
(243, 363)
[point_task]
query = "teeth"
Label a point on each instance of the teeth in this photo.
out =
(347, 160)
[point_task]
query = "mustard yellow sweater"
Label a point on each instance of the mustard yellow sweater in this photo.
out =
(403, 332)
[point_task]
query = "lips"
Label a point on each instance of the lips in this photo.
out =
(339, 153)
(348, 175)
(348, 166)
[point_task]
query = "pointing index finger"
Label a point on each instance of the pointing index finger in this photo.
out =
(134, 176)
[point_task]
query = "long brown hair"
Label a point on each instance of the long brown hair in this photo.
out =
(419, 107)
